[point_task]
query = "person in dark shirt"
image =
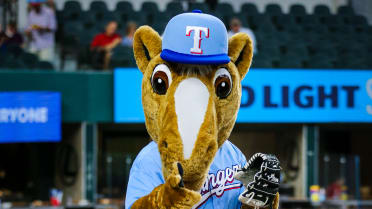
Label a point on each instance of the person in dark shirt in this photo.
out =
(103, 44)
(10, 36)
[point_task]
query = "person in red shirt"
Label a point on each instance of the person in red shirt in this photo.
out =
(103, 44)
(334, 190)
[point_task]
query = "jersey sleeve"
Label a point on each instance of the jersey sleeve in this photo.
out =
(242, 161)
(144, 176)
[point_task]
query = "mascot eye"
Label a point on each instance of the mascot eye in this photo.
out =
(161, 79)
(222, 83)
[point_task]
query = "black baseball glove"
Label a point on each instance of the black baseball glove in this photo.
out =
(260, 176)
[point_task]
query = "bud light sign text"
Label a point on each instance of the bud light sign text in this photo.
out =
(275, 96)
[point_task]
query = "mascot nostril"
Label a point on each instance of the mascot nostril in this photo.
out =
(191, 102)
(191, 91)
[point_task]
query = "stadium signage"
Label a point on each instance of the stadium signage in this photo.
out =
(30, 116)
(275, 96)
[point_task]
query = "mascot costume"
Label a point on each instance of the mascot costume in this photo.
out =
(191, 92)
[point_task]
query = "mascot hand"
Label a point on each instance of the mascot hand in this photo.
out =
(171, 195)
(260, 177)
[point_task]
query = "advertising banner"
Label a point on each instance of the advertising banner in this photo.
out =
(275, 96)
(30, 117)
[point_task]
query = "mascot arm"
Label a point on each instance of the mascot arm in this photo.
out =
(172, 194)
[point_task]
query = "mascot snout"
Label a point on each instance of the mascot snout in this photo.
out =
(189, 129)
(191, 103)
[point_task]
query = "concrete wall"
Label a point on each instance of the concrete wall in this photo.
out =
(73, 135)
(86, 96)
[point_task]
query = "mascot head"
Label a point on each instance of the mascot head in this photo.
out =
(191, 89)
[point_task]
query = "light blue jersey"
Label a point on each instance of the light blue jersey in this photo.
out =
(220, 190)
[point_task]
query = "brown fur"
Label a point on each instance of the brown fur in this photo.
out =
(169, 196)
(161, 118)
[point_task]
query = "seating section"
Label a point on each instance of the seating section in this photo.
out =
(284, 40)
(293, 40)
(16, 58)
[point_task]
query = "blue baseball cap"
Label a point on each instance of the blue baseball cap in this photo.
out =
(195, 38)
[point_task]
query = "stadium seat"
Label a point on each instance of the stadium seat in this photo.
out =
(345, 29)
(259, 20)
(355, 63)
(307, 20)
(297, 51)
(245, 19)
(14, 49)
(159, 27)
(72, 6)
(283, 20)
(174, 8)
(320, 63)
(29, 59)
(332, 21)
(149, 10)
(321, 10)
(281, 37)
(293, 30)
(224, 9)
(267, 28)
(98, 6)
(137, 17)
(149, 7)
(249, 9)
(124, 7)
(122, 57)
(317, 29)
(363, 37)
(87, 37)
(160, 21)
(103, 16)
(273, 9)
(199, 5)
(71, 11)
(368, 63)
(290, 62)
(261, 61)
(269, 50)
(297, 9)
(44, 65)
(345, 10)
(88, 22)
(72, 28)
(15, 64)
(359, 20)
(84, 56)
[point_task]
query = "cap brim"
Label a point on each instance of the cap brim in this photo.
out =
(172, 56)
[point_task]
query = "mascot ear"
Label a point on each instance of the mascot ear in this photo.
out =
(146, 45)
(241, 52)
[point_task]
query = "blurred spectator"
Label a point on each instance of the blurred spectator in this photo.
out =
(11, 36)
(40, 30)
(103, 44)
(129, 33)
(51, 4)
(236, 27)
(334, 190)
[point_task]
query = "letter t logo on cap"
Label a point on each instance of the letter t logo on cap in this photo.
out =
(197, 37)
